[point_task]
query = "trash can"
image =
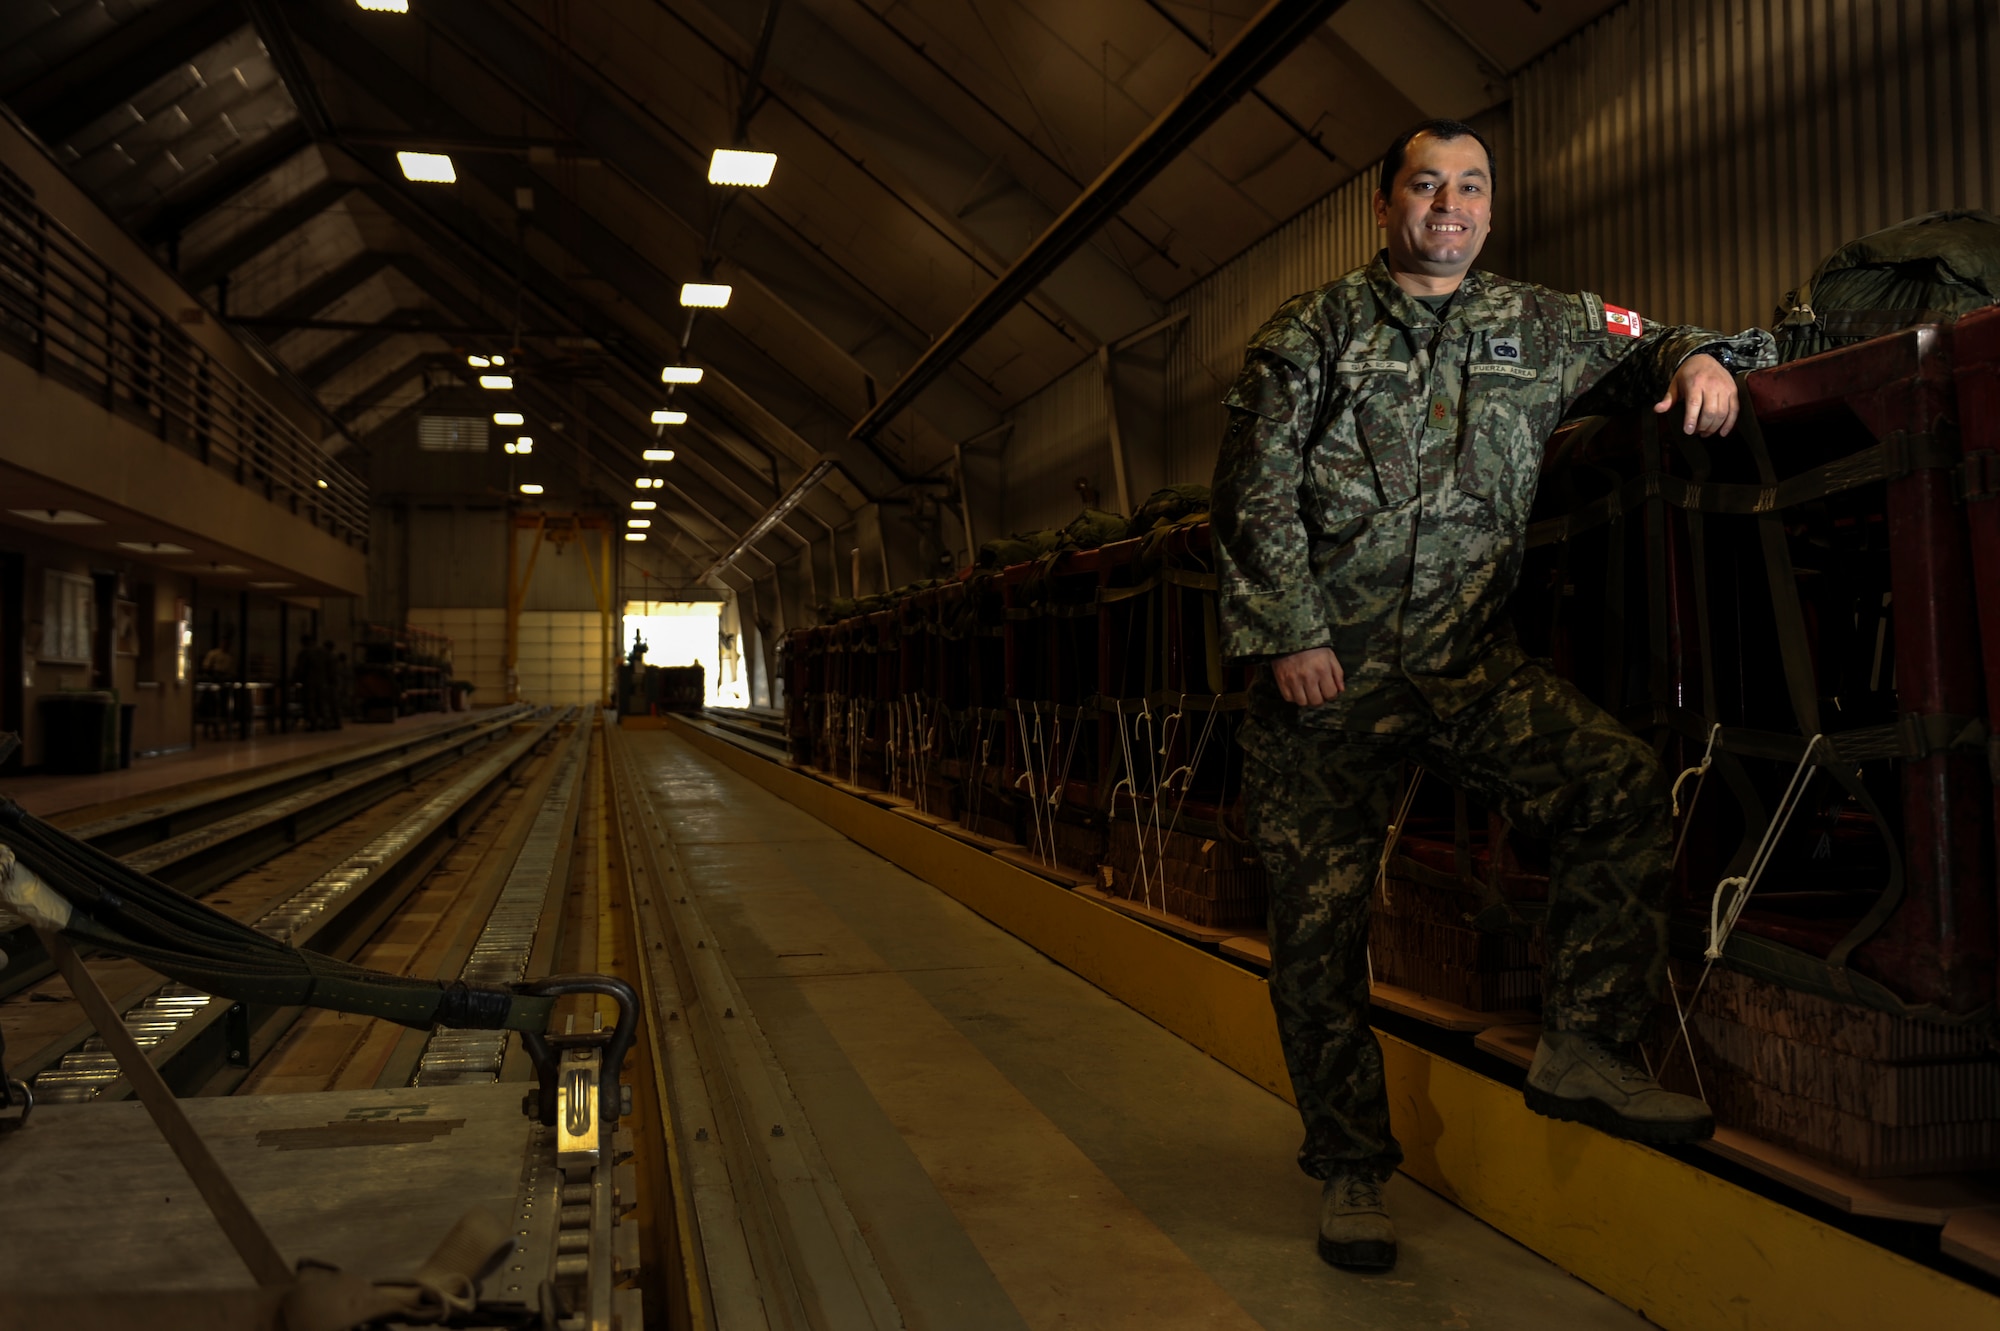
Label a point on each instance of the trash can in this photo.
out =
(80, 732)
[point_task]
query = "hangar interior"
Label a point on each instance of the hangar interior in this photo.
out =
(708, 498)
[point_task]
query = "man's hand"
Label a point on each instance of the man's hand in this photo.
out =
(1310, 677)
(1709, 394)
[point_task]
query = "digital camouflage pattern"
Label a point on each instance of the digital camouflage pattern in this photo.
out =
(1372, 495)
(1318, 802)
(1373, 488)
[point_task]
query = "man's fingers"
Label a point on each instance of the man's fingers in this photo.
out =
(1665, 404)
(1735, 406)
(1692, 416)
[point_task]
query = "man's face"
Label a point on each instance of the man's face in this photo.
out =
(1440, 207)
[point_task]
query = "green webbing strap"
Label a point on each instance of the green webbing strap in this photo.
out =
(1894, 457)
(1788, 616)
(326, 983)
(1112, 595)
(1181, 577)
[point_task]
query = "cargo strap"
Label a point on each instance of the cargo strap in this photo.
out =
(1896, 456)
(1977, 478)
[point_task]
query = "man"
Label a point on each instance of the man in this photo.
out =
(1371, 503)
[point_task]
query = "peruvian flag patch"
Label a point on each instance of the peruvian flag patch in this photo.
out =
(1622, 322)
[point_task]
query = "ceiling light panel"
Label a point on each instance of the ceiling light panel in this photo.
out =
(670, 417)
(531, 489)
(704, 295)
(680, 374)
(732, 166)
(639, 524)
(509, 418)
(385, 6)
(432, 168)
(496, 381)
(635, 536)
(658, 455)
(644, 505)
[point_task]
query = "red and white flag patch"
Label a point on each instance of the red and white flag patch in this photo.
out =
(1620, 322)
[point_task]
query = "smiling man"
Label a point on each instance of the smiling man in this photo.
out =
(1371, 505)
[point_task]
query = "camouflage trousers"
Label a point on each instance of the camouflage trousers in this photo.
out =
(1318, 799)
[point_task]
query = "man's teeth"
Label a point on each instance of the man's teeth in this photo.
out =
(1446, 226)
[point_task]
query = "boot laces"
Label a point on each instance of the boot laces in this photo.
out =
(1609, 1059)
(1361, 1192)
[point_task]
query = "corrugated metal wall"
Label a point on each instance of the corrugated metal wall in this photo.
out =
(1331, 237)
(1059, 435)
(1692, 159)
(1695, 159)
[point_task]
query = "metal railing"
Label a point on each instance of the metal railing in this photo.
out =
(64, 311)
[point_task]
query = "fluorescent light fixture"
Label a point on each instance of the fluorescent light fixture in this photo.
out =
(320, 484)
(496, 381)
(680, 374)
(477, 362)
(499, 360)
(732, 166)
(670, 418)
(509, 418)
(155, 547)
(658, 455)
(385, 6)
(270, 586)
(525, 444)
(705, 295)
(57, 517)
(434, 168)
(635, 536)
(639, 523)
(508, 446)
(531, 489)
(643, 505)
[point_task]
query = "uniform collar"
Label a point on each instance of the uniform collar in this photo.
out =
(1407, 310)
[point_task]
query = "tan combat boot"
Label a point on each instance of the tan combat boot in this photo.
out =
(1354, 1229)
(1580, 1078)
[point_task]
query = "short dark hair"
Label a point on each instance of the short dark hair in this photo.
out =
(1447, 130)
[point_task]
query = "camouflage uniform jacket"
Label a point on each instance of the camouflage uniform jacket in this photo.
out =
(1373, 488)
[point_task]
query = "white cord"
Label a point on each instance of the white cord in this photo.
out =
(1721, 921)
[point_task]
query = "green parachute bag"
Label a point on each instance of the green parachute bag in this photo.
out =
(1929, 269)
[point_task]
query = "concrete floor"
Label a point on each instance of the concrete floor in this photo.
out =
(1022, 1150)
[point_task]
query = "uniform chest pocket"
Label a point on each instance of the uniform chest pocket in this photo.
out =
(1512, 396)
(1370, 445)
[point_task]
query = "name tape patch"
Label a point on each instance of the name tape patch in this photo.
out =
(1619, 322)
(1494, 367)
(1371, 366)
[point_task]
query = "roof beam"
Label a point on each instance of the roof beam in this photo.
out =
(62, 100)
(1266, 39)
(168, 216)
(260, 235)
(316, 296)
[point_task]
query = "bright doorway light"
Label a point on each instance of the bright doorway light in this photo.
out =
(434, 168)
(679, 633)
(732, 166)
(680, 374)
(705, 295)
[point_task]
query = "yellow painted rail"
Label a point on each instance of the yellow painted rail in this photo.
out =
(1691, 1251)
